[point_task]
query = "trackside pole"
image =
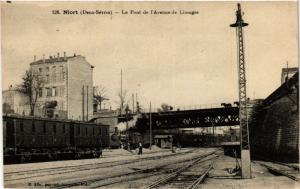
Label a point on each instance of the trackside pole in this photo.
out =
(243, 115)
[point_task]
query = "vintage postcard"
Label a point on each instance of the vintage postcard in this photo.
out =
(192, 94)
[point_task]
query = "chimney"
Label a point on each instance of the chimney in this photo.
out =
(74, 54)
(65, 55)
(34, 58)
(50, 57)
(58, 55)
(43, 58)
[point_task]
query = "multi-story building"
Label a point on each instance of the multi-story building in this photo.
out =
(67, 89)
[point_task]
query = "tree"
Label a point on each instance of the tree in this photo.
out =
(165, 108)
(100, 95)
(30, 86)
(122, 100)
(6, 108)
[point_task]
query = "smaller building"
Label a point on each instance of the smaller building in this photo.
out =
(15, 102)
(287, 73)
(110, 118)
(163, 141)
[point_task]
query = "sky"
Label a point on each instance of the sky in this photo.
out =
(182, 60)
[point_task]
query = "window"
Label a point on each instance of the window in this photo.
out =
(64, 128)
(53, 77)
(62, 91)
(47, 69)
(21, 126)
(47, 78)
(33, 127)
(93, 130)
(61, 73)
(54, 128)
(86, 131)
(64, 74)
(40, 92)
(40, 69)
(99, 131)
(48, 91)
(61, 105)
(54, 91)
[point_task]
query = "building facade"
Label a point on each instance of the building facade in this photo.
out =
(15, 102)
(67, 89)
(109, 117)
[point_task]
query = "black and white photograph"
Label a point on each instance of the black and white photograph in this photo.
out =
(150, 94)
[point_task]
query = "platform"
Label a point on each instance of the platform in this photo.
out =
(221, 177)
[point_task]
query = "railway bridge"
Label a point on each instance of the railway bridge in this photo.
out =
(210, 117)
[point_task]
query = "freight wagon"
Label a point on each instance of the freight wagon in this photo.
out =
(30, 138)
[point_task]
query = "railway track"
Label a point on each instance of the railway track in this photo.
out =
(293, 166)
(126, 177)
(283, 169)
(20, 175)
(188, 176)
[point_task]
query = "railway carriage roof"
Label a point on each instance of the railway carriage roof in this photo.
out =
(50, 120)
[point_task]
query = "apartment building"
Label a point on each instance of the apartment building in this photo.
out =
(67, 90)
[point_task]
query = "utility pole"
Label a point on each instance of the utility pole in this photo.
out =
(213, 127)
(132, 103)
(126, 111)
(121, 95)
(82, 102)
(287, 72)
(87, 103)
(243, 117)
(150, 124)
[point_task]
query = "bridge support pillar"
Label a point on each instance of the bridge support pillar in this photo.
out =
(245, 164)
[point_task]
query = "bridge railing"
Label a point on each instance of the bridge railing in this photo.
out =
(188, 107)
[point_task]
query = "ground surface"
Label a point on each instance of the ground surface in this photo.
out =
(261, 178)
(120, 166)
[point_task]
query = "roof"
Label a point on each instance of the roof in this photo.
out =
(294, 69)
(237, 143)
(6, 117)
(53, 60)
(283, 89)
(162, 136)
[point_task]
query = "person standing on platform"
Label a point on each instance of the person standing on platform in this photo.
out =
(140, 148)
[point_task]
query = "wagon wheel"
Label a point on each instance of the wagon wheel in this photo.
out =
(28, 157)
(50, 157)
(22, 159)
(77, 155)
(54, 156)
(95, 154)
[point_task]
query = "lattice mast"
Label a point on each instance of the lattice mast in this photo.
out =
(243, 117)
